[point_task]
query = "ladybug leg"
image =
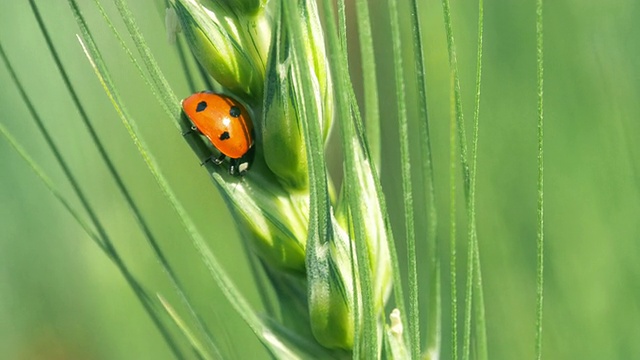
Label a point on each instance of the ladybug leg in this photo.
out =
(216, 160)
(241, 165)
(192, 129)
(233, 167)
(238, 167)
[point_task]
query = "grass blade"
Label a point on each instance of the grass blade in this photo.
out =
(452, 231)
(358, 331)
(398, 292)
(434, 311)
(372, 141)
(342, 26)
(321, 231)
(101, 238)
(434, 336)
(370, 81)
(170, 101)
(405, 162)
(169, 108)
(457, 99)
(51, 186)
(456, 122)
(474, 276)
(395, 264)
(474, 251)
(481, 327)
(177, 320)
(139, 219)
(338, 61)
(540, 241)
(345, 107)
(106, 244)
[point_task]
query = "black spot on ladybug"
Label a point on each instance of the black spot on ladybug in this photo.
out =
(234, 111)
(201, 106)
(224, 136)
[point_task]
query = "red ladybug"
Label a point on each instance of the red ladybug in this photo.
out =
(226, 123)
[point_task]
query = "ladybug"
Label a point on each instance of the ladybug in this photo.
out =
(226, 123)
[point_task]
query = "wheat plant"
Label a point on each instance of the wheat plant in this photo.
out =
(364, 227)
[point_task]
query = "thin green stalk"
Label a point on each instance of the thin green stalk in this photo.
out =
(466, 173)
(101, 238)
(340, 77)
(405, 161)
(75, 185)
(342, 26)
(434, 344)
(425, 144)
(368, 328)
(356, 297)
(321, 227)
(358, 329)
(397, 277)
(481, 327)
(540, 242)
(51, 186)
(360, 129)
(180, 323)
(258, 271)
(473, 259)
(170, 101)
(370, 81)
(434, 314)
(452, 231)
(182, 54)
(398, 292)
(453, 64)
(456, 122)
(126, 49)
(395, 264)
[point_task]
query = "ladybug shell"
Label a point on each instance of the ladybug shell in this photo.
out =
(223, 120)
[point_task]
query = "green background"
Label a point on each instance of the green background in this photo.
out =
(61, 298)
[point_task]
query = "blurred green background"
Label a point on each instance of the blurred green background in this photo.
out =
(60, 298)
